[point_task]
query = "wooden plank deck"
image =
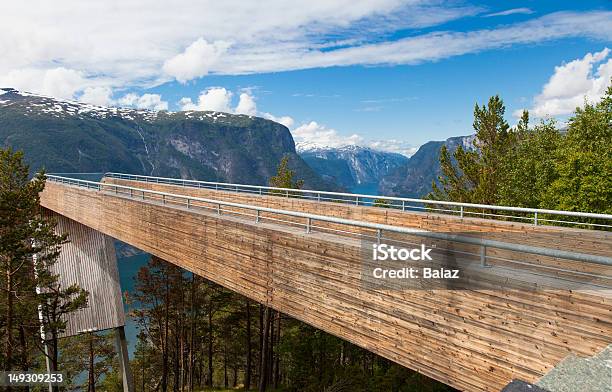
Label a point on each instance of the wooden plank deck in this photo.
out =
(471, 339)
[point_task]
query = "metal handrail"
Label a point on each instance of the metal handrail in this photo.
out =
(360, 199)
(484, 243)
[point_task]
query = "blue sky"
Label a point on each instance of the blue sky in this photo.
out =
(392, 74)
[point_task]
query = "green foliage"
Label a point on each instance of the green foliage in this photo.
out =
(584, 161)
(29, 247)
(529, 168)
(284, 177)
(537, 167)
(89, 352)
(382, 203)
(474, 176)
(210, 326)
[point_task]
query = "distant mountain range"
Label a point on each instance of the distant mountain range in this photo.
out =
(351, 166)
(67, 136)
(414, 177)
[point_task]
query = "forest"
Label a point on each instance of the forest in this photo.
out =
(196, 335)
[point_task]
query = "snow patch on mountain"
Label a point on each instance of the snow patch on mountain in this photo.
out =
(350, 165)
(33, 104)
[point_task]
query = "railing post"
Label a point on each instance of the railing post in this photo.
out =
(308, 224)
(318, 196)
(143, 195)
(287, 193)
(163, 199)
(356, 200)
(535, 218)
(216, 187)
(188, 203)
(461, 211)
(131, 193)
(403, 205)
(219, 209)
(115, 189)
(260, 191)
(378, 235)
(483, 256)
(257, 217)
(236, 188)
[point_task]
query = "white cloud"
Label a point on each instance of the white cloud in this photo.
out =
(572, 83)
(421, 48)
(145, 101)
(101, 96)
(58, 82)
(318, 135)
(315, 135)
(394, 145)
(141, 44)
(196, 60)
(246, 105)
(285, 120)
(512, 11)
(220, 99)
(216, 99)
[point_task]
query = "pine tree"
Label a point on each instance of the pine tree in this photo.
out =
(474, 176)
(29, 247)
(284, 177)
(91, 353)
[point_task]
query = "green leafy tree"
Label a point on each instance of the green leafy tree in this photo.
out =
(90, 353)
(530, 166)
(29, 247)
(584, 161)
(285, 177)
(475, 175)
(382, 203)
(56, 302)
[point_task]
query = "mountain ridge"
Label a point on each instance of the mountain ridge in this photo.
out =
(414, 178)
(70, 136)
(351, 165)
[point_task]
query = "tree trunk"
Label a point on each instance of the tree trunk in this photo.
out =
(247, 374)
(263, 374)
(192, 333)
(210, 349)
(225, 379)
(271, 349)
(177, 354)
(25, 361)
(164, 379)
(276, 354)
(54, 358)
(91, 383)
(8, 352)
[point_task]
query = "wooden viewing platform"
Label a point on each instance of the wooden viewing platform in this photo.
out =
(472, 339)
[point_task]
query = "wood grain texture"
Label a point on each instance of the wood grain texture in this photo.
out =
(476, 340)
(89, 260)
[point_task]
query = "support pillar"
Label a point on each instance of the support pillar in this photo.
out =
(124, 361)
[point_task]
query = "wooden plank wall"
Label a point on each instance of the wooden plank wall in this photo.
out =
(89, 260)
(571, 239)
(474, 340)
